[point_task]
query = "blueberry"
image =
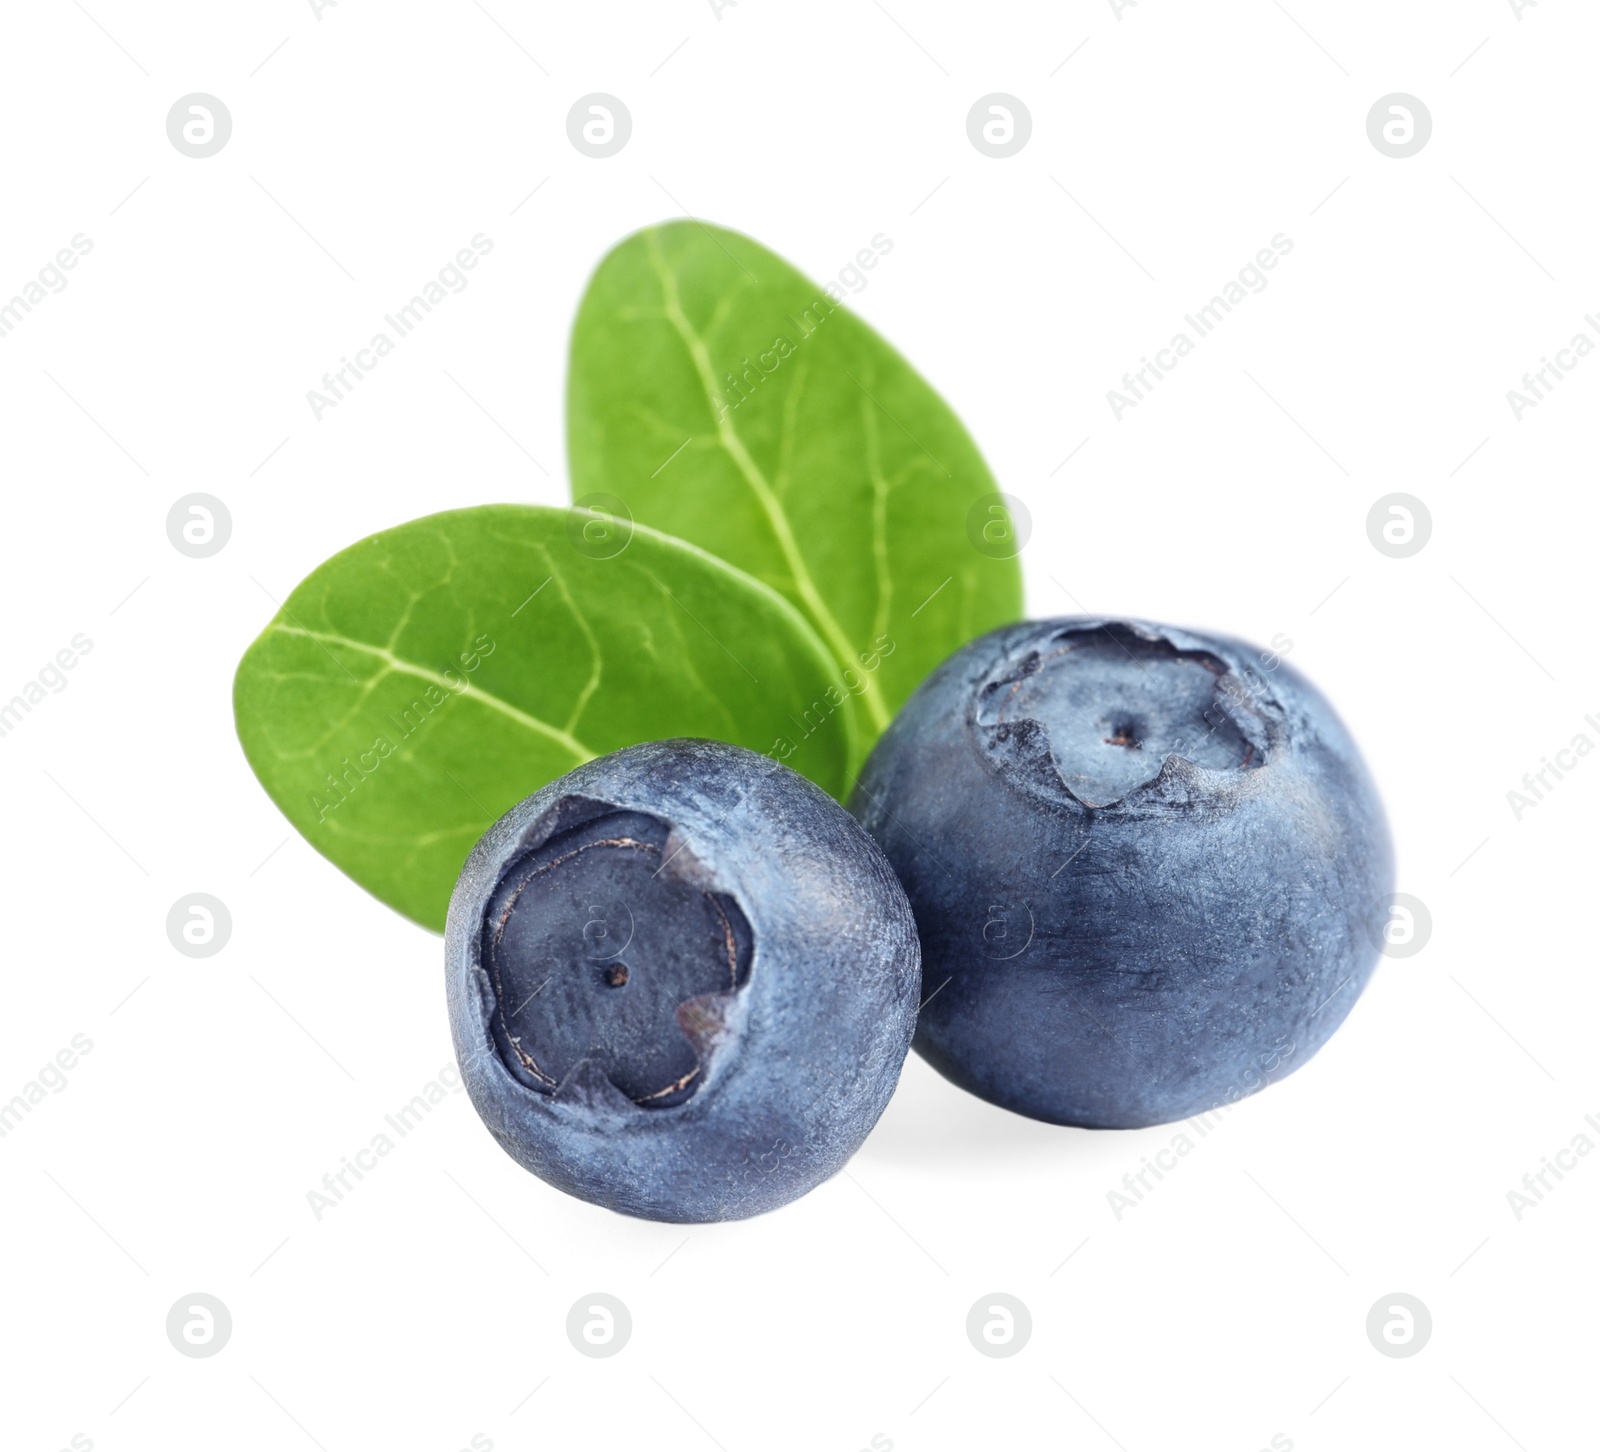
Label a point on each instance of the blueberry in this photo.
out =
(1144, 867)
(682, 982)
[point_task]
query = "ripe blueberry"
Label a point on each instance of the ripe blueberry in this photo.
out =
(1144, 869)
(682, 981)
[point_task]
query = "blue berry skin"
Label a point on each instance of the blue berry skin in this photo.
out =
(682, 982)
(1147, 870)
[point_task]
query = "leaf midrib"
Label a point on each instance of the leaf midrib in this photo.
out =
(777, 517)
(564, 739)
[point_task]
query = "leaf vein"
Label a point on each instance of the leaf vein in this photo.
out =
(488, 699)
(800, 574)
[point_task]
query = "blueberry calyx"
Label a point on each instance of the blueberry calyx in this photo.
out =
(610, 959)
(1133, 716)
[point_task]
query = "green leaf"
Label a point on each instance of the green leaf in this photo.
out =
(417, 685)
(727, 400)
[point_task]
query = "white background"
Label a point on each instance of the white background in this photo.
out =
(372, 143)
